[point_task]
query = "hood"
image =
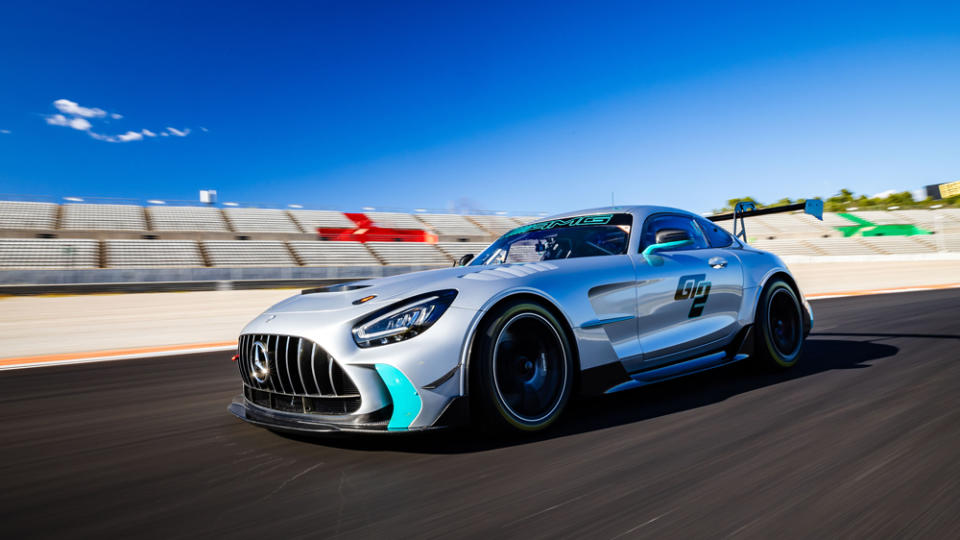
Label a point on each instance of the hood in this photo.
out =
(385, 290)
(391, 289)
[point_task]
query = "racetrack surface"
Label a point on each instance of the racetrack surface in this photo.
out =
(861, 439)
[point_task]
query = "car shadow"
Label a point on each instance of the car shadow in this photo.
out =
(590, 414)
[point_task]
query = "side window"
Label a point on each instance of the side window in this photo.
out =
(666, 221)
(716, 234)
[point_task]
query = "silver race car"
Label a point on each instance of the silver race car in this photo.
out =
(592, 302)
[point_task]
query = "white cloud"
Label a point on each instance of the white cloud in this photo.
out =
(129, 136)
(76, 122)
(57, 120)
(73, 108)
(5, 131)
(203, 129)
(79, 123)
(75, 116)
(123, 137)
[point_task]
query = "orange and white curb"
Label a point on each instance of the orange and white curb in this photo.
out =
(116, 354)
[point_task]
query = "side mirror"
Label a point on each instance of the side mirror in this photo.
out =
(668, 238)
(665, 236)
(465, 260)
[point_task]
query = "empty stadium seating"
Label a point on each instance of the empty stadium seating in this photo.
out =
(260, 220)
(794, 225)
(497, 225)
(840, 246)
(901, 244)
(785, 246)
(152, 254)
(408, 253)
(523, 220)
(832, 219)
(282, 242)
(316, 253)
(186, 218)
(230, 253)
(877, 217)
(451, 225)
(309, 220)
(27, 215)
(948, 242)
(31, 253)
(114, 217)
(394, 220)
(455, 250)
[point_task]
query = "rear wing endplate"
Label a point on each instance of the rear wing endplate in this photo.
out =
(814, 207)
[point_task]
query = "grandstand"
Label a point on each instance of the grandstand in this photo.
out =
(901, 245)
(152, 254)
(114, 217)
(523, 220)
(409, 254)
(394, 220)
(312, 253)
(186, 218)
(455, 250)
(260, 220)
(309, 220)
(46, 253)
(28, 215)
(43, 235)
(452, 225)
(840, 246)
(495, 225)
(239, 253)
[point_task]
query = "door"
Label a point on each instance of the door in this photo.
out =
(688, 295)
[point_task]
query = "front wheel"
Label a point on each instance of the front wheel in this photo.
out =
(779, 325)
(522, 369)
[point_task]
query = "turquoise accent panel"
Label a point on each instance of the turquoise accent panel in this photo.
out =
(406, 400)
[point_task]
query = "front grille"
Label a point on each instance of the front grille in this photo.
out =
(302, 404)
(302, 376)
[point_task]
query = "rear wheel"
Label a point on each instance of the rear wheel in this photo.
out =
(522, 369)
(779, 326)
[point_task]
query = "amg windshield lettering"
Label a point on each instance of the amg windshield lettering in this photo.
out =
(569, 222)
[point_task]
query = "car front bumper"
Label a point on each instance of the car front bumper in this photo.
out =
(376, 422)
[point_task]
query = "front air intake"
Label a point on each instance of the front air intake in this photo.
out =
(298, 375)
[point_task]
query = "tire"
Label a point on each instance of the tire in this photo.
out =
(779, 327)
(522, 369)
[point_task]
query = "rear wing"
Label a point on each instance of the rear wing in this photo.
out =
(814, 207)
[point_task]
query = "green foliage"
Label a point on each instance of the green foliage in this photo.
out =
(845, 199)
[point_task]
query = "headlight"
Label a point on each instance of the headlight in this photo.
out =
(402, 320)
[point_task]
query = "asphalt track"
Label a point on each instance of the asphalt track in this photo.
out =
(861, 439)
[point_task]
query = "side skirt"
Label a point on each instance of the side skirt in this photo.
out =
(739, 349)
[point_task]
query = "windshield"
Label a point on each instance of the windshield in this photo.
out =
(568, 238)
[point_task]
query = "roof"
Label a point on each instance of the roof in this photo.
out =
(640, 211)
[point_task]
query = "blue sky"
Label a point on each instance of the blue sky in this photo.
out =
(536, 106)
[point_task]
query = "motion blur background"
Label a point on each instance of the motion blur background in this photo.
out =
(169, 170)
